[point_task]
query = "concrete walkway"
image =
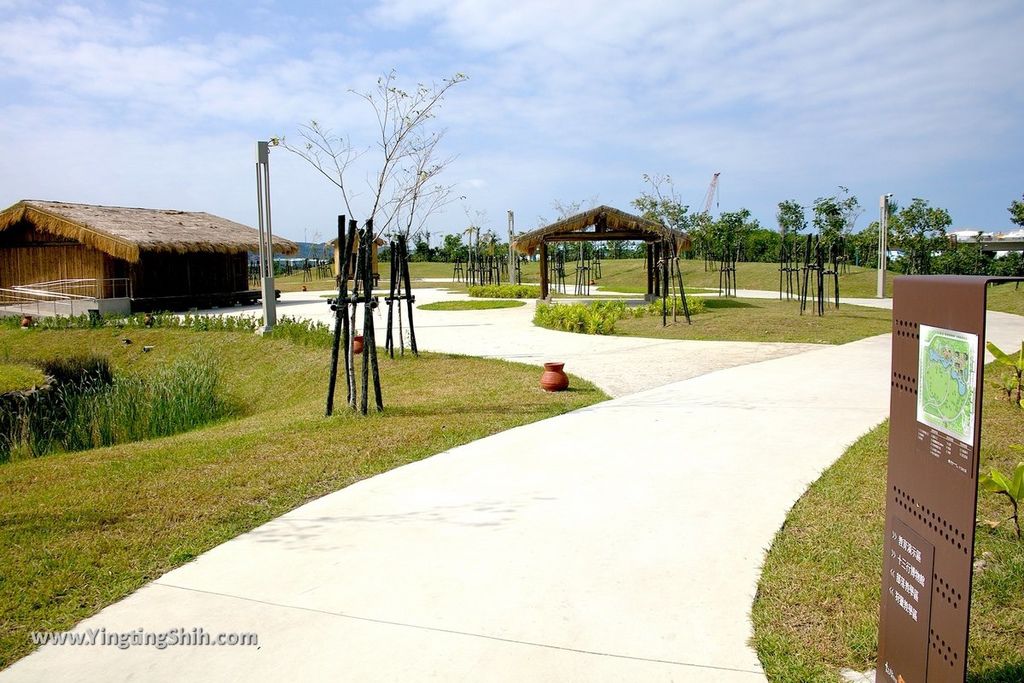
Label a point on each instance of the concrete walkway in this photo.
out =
(618, 365)
(621, 542)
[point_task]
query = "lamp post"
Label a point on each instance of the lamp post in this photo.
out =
(883, 241)
(266, 236)
(511, 250)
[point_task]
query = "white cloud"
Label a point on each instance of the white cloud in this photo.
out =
(564, 101)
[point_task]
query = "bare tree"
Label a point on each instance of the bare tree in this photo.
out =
(403, 190)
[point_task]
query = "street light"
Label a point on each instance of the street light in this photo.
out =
(266, 237)
(883, 241)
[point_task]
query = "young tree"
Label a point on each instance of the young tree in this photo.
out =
(403, 187)
(453, 249)
(731, 231)
(791, 217)
(1017, 211)
(919, 230)
(835, 216)
(663, 204)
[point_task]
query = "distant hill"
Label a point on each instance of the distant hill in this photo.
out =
(312, 250)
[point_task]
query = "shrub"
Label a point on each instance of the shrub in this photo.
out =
(694, 303)
(599, 317)
(505, 291)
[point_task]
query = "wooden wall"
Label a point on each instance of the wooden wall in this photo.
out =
(28, 256)
(165, 274)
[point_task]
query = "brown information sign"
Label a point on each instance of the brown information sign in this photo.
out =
(938, 352)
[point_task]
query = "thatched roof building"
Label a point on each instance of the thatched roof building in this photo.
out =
(125, 233)
(604, 223)
(599, 224)
(163, 258)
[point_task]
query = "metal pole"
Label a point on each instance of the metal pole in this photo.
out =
(511, 251)
(883, 242)
(266, 236)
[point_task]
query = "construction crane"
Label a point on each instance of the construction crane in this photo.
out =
(712, 195)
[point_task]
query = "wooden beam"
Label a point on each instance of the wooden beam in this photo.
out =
(602, 236)
(543, 270)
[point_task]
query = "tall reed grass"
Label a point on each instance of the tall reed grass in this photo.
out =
(94, 409)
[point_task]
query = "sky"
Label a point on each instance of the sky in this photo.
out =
(159, 104)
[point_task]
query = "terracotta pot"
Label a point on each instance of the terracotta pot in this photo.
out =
(357, 344)
(26, 321)
(554, 378)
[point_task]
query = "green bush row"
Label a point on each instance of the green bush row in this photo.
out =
(600, 317)
(505, 291)
(300, 331)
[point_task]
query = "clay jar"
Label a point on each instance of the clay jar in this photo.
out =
(357, 344)
(554, 378)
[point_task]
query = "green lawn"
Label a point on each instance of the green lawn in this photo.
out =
(1006, 298)
(17, 377)
(764, 320)
(475, 305)
(818, 599)
(82, 530)
(628, 275)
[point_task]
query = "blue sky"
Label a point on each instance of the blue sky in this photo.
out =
(159, 104)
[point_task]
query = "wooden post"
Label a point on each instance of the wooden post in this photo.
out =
(543, 269)
(409, 298)
(340, 315)
(389, 340)
(650, 272)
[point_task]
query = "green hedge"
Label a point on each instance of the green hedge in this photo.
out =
(600, 317)
(505, 291)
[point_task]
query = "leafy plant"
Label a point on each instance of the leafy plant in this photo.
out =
(1016, 365)
(1011, 487)
(598, 317)
(505, 291)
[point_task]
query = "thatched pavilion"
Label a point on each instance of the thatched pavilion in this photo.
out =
(600, 224)
(159, 259)
(378, 242)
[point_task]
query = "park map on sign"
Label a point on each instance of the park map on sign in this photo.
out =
(947, 381)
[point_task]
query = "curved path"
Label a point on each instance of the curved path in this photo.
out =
(620, 542)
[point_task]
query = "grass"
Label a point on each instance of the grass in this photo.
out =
(628, 275)
(19, 376)
(82, 530)
(87, 412)
(762, 320)
(1006, 298)
(818, 599)
(471, 305)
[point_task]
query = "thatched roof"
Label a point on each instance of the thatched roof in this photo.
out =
(603, 219)
(378, 240)
(125, 233)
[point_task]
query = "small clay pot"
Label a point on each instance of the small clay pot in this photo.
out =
(554, 378)
(357, 344)
(26, 321)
